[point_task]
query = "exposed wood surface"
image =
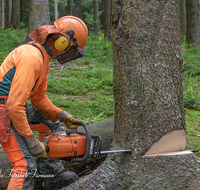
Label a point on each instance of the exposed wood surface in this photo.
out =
(171, 142)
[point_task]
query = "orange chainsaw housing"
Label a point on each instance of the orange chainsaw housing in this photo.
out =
(60, 145)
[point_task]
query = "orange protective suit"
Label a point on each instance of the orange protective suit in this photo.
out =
(23, 75)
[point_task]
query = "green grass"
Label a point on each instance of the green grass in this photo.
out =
(191, 95)
(84, 87)
(82, 92)
(9, 39)
(191, 75)
(193, 131)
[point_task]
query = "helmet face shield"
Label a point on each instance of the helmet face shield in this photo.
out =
(71, 53)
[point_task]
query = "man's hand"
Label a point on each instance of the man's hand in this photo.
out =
(44, 153)
(68, 119)
(35, 147)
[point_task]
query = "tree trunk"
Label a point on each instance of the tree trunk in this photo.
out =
(56, 9)
(182, 17)
(14, 17)
(18, 18)
(38, 15)
(3, 14)
(107, 12)
(147, 54)
(69, 7)
(193, 22)
(95, 16)
(81, 11)
(24, 6)
(8, 15)
(149, 109)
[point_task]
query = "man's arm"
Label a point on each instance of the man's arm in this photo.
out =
(26, 74)
(42, 103)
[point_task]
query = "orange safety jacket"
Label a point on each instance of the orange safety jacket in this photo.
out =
(23, 75)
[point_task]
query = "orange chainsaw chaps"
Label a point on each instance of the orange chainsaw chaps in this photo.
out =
(61, 146)
(4, 120)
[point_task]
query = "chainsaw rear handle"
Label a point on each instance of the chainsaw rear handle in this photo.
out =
(88, 143)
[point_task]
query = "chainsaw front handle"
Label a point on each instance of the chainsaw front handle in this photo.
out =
(88, 143)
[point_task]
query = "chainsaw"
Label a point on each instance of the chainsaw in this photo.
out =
(75, 146)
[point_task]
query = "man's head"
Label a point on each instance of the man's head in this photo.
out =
(68, 34)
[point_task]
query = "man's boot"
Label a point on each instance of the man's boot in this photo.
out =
(56, 176)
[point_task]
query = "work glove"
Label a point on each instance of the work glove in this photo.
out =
(68, 119)
(35, 147)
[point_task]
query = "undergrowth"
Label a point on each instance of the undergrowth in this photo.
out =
(191, 75)
(9, 39)
(84, 87)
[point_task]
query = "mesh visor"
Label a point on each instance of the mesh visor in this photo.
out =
(70, 54)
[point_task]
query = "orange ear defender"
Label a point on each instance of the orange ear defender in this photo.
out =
(61, 43)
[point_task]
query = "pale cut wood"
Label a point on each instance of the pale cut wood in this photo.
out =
(171, 142)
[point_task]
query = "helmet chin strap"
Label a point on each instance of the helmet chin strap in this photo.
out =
(70, 33)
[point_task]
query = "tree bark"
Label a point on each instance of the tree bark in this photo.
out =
(24, 6)
(95, 16)
(1, 12)
(182, 18)
(14, 17)
(8, 15)
(56, 9)
(81, 11)
(149, 109)
(107, 13)
(157, 172)
(18, 18)
(69, 7)
(193, 22)
(38, 15)
(147, 73)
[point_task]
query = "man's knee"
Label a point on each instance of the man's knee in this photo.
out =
(31, 166)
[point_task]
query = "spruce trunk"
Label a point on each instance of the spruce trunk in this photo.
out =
(149, 109)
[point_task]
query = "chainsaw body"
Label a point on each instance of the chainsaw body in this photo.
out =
(74, 145)
(62, 145)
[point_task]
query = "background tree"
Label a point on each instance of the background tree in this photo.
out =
(69, 7)
(182, 17)
(24, 10)
(14, 16)
(18, 14)
(38, 15)
(80, 10)
(193, 22)
(8, 13)
(56, 9)
(149, 109)
(107, 13)
(95, 16)
(1, 12)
